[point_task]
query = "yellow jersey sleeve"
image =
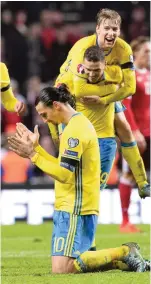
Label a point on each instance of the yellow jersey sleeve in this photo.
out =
(129, 78)
(113, 76)
(7, 97)
(77, 51)
(51, 168)
(65, 66)
(61, 169)
(82, 88)
(126, 56)
(127, 90)
(39, 149)
(71, 149)
(72, 152)
(67, 79)
(123, 53)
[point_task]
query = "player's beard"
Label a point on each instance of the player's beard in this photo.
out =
(94, 80)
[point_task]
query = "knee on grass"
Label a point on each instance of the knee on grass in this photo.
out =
(63, 265)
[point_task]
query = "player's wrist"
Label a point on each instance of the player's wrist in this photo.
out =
(33, 156)
(103, 101)
(36, 146)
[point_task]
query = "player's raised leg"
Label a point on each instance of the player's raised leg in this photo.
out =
(131, 154)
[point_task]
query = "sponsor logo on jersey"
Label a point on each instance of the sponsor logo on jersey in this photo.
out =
(71, 153)
(73, 142)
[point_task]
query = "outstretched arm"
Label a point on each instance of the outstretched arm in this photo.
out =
(82, 88)
(127, 90)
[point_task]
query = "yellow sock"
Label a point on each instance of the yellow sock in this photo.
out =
(93, 260)
(118, 264)
(115, 264)
(132, 156)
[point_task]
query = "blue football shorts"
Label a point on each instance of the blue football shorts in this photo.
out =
(72, 234)
(107, 155)
(119, 107)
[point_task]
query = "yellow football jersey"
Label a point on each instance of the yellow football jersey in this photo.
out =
(7, 97)
(79, 146)
(102, 117)
(77, 169)
(120, 54)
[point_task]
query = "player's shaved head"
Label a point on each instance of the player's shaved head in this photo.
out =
(94, 54)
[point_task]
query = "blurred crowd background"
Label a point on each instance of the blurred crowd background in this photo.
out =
(35, 39)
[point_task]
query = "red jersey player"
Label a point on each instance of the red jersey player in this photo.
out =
(138, 115)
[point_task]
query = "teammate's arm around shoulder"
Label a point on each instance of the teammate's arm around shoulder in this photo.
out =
(128, 69)
(129, 78)
(82, 88)
(7, 97)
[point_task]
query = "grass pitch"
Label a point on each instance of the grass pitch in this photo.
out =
(25, 256)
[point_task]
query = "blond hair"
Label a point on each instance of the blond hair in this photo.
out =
(108, 14)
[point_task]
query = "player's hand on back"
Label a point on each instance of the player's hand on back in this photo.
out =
(90, 100)
(93, 100)
(23, 132)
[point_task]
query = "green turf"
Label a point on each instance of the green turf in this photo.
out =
(25, 256)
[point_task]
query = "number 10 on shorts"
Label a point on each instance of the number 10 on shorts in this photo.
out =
(58, 244)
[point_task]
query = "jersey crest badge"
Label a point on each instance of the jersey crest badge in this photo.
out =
(80, 69)
(73, 142)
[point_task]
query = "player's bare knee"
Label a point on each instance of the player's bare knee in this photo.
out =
(123, 129)
(125, 133)
(63, 265)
